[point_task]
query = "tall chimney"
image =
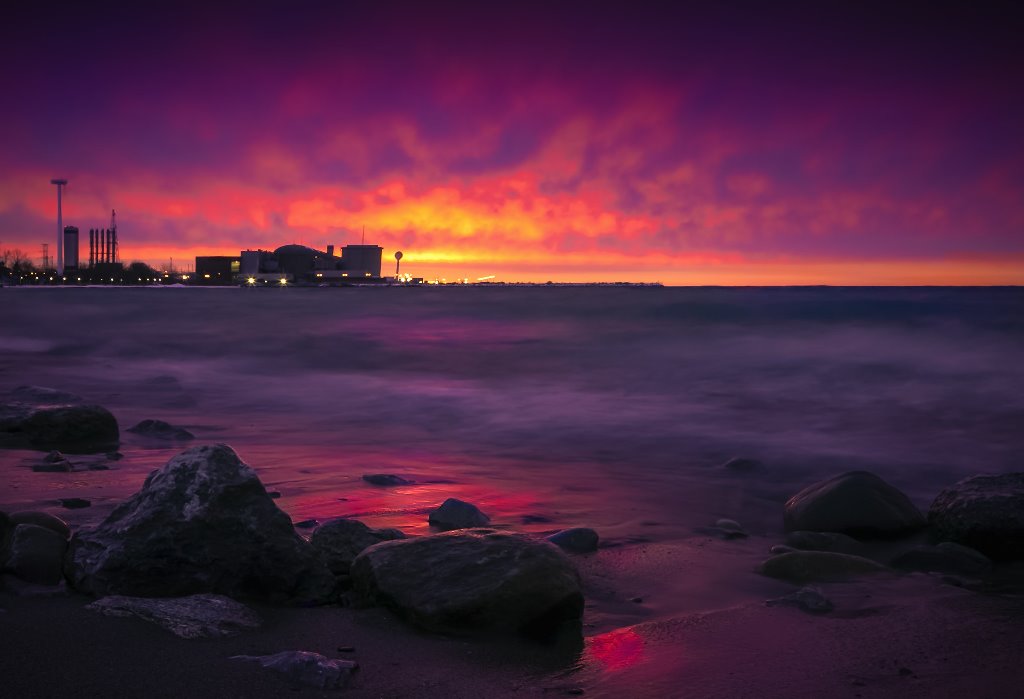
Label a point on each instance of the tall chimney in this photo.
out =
(60, 226)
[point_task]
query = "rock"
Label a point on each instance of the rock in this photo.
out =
(36, 554)
(339, 541)
(62, 466)
(201, 523)
(54, 457)
(158, 429)
(41, 395)
(946, 557)
(114, 455)
(810, 566)
(42, 519)
(195, 616)
(456, 514)
(74, 503)
(472, 580)
(739, 465)
(731, 529)
(74, 428)
(306, 523)
(824, 541)
(985, 512)
(858, 503)
(385, 479)
(575, 540)
(6, 527)
(302, 667)
(809, 599)
(780, 548)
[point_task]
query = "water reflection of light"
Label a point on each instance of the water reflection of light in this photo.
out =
(617, 650)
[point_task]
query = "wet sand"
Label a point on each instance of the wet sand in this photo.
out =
(909, 637)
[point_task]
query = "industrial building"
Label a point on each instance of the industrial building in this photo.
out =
(70, 248)
(293, 263)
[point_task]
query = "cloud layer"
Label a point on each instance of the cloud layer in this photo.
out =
(722, 146)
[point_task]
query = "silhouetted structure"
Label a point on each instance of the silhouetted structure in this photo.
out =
(293, 263)
(71, 248)
(60, 225)
(216, 269)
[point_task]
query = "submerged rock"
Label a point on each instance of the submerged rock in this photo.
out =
(456, 514)
(810, 566)
(808, 599)
(42, 519)
(576, 540)
(985, 512)
(339, 541)
(472, 580)
(858, 503)
(74, 428)
(385, 479)
(201, 523)
(824, 541)
(195, 616)
(158, 429)
(36, 554)
(946, 557)
(303, 667)
(74, 503)
(740, 465)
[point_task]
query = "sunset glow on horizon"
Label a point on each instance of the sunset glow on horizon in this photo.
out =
(857, 145)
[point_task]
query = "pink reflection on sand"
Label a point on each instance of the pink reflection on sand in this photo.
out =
(616, 650)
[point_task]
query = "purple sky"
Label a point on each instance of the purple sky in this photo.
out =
(743, 141)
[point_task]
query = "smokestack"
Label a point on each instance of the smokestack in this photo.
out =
(330, 251)
(60, 226)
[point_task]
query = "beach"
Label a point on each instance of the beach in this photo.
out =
(610, 408)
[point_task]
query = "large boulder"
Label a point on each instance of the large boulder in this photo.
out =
(72, 428)
(857, 503)
(475, 579)
(201, 523)
(985, 512)
(36, 554)
(339, 541)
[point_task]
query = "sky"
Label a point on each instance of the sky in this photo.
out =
(720, 143)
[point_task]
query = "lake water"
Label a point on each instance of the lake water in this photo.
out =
(547, 407)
